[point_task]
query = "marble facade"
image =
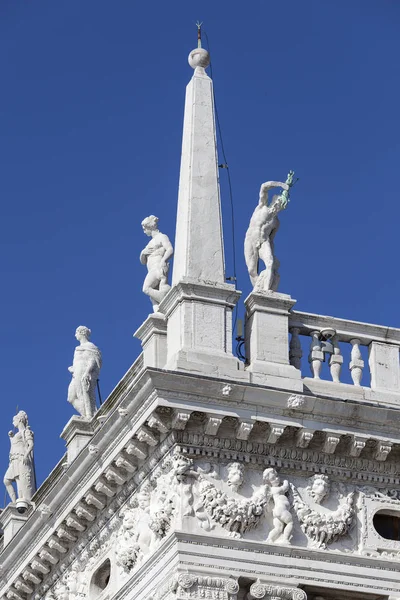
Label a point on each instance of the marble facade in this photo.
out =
(203, 476)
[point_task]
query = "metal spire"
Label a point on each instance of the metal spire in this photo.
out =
(198, 24)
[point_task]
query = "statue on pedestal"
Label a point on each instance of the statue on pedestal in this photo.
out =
(259, 241)
(155, 256)
(85, 373)
(21, 466)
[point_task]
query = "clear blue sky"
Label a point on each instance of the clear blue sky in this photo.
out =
(91, 109)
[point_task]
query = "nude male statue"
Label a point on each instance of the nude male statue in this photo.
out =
(21, 467)
(85, 373)
(259, 240)
(155, 256)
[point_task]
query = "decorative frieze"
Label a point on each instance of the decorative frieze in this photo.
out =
(213, 423)
(191, 586)
(275, 432)
(244, 429)
(383, 449)
(330, 443)
(180, 418)
(304, 437)
(259, 590)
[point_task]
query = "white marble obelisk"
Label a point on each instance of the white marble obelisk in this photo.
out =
(199, 252)
(199, 306)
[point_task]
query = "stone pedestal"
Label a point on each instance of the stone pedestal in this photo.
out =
(153, 335)
(11, 521)
(199, 331)
(385, 367)
(77, 433)
(267, 341)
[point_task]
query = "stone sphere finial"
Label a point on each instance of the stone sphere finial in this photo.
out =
(199, 58)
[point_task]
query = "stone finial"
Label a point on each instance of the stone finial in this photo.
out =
(85, 374)
(259, 240)
(156, 256)
(199, 58)
(21, 470)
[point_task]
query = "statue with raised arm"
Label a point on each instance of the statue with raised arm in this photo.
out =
(156, 256)
(259, 241)
(281, 515)
(21, 468)
(85, 373)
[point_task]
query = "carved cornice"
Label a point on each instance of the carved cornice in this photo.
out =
(290, 458)
(188, 580)
(260, 590)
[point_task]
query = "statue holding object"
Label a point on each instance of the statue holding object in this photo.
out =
(21, 469)
(155, 256)
(85, 374)
(259, 241)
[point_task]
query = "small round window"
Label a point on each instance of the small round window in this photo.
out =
(100, 579)
(387, 524)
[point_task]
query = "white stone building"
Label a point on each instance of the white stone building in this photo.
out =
(205, 477)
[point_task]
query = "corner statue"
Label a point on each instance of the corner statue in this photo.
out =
(155, 256)
(259, 241)
(85, 373)
(21, 467)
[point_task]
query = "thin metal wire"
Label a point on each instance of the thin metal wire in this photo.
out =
(226, 167)
(98, 390)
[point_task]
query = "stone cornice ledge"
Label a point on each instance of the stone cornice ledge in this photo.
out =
(271, 302)
(192, 290)
(308, 559)
(183, 552)
(246, 400)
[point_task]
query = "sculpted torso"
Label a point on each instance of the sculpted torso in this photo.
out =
(281, 502)
(154, 251)
(17, 446)
(84, 358)
(263, 222)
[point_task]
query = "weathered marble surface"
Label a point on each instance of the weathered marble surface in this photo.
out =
(260, 236)
(156, 256)
(85, 373)
(199, 252)
(21, 469)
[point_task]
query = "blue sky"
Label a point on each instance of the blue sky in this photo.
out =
(91, 109)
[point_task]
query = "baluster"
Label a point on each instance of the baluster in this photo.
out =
(356, 364)
(336, 361)
(295, 351)
(316, 355)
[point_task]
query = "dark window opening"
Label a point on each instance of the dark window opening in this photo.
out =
(387, 525)
(100, 579)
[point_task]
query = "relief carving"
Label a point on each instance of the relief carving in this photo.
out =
(239, 515)
(323, 528)
(144, 524)
(189, 585)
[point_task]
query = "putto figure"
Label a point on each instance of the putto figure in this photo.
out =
(259, 241)
(281, 516)
(155, 256)
(85, 373)
(21, 467)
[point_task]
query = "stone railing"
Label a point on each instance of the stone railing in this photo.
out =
(327, 336)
